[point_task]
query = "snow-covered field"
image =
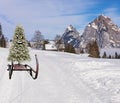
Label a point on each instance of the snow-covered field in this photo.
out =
(63, 78)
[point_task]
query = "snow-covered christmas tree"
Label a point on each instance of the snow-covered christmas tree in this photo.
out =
(19, 51)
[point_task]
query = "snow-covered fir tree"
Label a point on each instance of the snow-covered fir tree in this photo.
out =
(19, 51)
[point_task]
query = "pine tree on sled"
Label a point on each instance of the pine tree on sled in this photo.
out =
(20, 53)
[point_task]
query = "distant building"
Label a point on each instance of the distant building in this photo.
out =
(37, 45)
(51, 46)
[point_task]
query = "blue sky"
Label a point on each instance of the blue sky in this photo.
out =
(51, 17)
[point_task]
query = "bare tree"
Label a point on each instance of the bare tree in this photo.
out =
(37, 40)
(58, 41)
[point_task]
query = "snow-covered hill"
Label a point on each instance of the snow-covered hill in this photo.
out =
(63, 78)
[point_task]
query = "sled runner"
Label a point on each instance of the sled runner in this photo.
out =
(20, 67)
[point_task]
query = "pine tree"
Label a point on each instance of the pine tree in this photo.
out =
(2, 41)
(2, 38)
(109, 56)
(69, 48)
(93, 49)
(44, 43)
(19, 51)
(116, 55)
(119, 56)
(81, 51)
(104, 55)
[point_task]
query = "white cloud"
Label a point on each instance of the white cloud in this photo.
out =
(55, 25)
(51, 17)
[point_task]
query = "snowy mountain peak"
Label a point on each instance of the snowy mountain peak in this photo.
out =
(104, 31)
(106, 22)
(70, 30)
(70, 27)
(71, 36)
(103, 16)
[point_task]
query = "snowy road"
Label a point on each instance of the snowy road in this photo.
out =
(61, 85)
(57, 81)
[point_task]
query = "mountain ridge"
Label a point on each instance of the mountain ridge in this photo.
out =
(104, 31)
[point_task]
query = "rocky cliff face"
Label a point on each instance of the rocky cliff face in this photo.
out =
(104, 31)
(71, 36)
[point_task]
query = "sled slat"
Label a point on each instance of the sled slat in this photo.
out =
(19, 66)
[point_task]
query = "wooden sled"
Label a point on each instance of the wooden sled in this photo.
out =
(20, 67)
